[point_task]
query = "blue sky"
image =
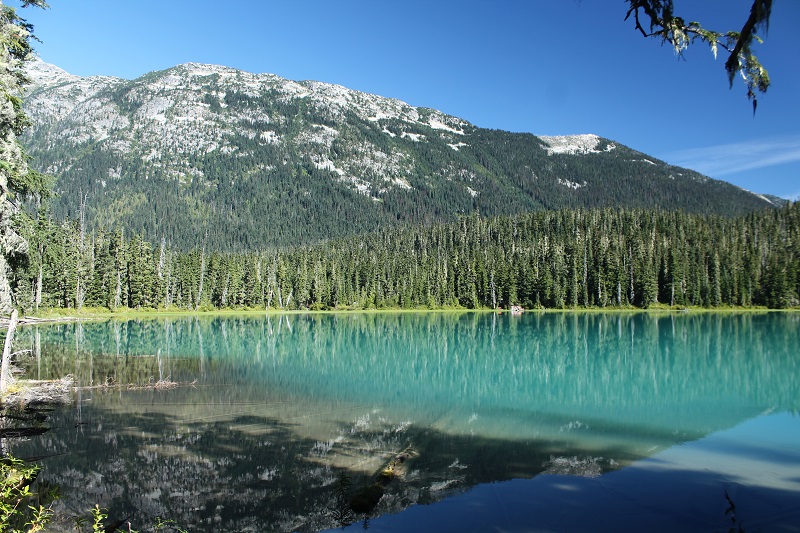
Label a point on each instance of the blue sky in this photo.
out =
(545, 67)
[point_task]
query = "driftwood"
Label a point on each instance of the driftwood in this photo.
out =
(4, 321)
(30, 392)
(161, 384)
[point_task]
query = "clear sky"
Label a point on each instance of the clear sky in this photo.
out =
(546, 67)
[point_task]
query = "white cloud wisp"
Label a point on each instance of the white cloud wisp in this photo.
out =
(729, 159)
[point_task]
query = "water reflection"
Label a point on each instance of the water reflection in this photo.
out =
(685, 488)
(284, 404)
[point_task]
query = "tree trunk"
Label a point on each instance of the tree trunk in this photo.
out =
(5, 371)
(118, 290)
(38, 297)
(289, 297)
(202, 272)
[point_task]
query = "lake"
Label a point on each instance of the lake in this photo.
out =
(539, 422)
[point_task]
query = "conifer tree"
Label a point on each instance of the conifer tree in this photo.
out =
(16, 179)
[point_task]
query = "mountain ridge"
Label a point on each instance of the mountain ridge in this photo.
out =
(198, 152)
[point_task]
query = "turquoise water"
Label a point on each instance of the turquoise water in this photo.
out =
(575, 412)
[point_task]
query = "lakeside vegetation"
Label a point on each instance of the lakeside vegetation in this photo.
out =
(568, 259)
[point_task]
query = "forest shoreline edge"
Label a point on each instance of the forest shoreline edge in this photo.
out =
(71, 315)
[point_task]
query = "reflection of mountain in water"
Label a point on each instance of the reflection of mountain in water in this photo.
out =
(283, 404)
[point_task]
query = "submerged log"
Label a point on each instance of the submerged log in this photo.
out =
(14, 433)
(366, 499)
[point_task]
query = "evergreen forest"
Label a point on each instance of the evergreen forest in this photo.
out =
(573, 258)
(250, 170)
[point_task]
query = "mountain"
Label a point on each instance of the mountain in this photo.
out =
(204, 153)
(778, 201)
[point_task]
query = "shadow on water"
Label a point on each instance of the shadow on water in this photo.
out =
(285, 408)
(253, 473)
(623, 501)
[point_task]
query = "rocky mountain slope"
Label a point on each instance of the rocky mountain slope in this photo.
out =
(204, 153)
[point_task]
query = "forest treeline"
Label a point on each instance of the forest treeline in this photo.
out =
(547, 259)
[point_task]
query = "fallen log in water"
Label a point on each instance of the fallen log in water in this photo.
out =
(15, 433)
(5, 321)
(365, 500)
(34, 392)
(161, 384)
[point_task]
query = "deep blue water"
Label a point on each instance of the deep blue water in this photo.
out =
(543, 422)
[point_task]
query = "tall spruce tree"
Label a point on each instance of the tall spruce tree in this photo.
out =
(16, 179)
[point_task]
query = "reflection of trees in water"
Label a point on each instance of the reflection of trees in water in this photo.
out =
(284, 404)
(610, 361)
(254, 473)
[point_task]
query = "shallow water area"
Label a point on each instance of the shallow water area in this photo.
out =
(539, 422)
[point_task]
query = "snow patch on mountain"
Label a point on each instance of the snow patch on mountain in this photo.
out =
(572, 144)
(438, 125)
(571, 184)
(416, 137)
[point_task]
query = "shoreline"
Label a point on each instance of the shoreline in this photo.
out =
(70, 315)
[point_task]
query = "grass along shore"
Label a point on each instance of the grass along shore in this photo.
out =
(99, 313)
